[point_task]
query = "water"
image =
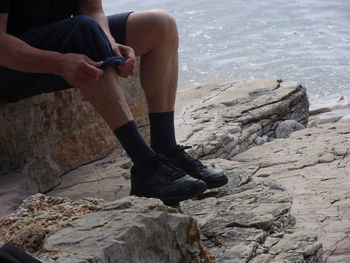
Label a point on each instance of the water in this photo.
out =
(302, 40)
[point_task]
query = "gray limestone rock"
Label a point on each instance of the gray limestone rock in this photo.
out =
(285, 128)
(219, 119)
(93, 230)
(250, 221)
(45, 136)
(314, 166)
(280, 196)
(231, 117)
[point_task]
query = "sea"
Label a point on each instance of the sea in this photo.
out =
(307, 41)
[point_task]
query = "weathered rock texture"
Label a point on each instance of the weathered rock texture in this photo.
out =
(93, 230)
(108, 179)
(112, 173)
(314, 166)
(339, 113)
(219, 119)
(250, 221)
(45, 136)
(225, 119)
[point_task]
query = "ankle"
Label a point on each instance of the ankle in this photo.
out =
(133, 143)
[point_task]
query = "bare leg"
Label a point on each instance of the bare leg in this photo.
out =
(108, 98)
(153, 35)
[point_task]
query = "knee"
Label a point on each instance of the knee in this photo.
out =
(83, 20)
(163, 26)
(87, 37)
(84, 23)
(85, 27)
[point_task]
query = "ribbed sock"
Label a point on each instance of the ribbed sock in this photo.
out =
(133, 143)
(163, 138)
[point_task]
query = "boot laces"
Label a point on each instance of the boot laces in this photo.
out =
(165, 168)
(190, 161)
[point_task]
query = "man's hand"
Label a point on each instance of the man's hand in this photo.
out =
(128, 68)
(79, 70)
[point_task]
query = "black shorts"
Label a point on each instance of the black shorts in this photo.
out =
(79, 34)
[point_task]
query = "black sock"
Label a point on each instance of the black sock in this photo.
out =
(133, 143)
(163, 132)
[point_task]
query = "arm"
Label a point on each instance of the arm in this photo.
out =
(78, 70)
(93, 8)
(16, 54)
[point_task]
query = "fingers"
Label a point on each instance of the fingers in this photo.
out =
(92, 71)
(89, 70)
(128, 68)
(130, 54)
(86, 73)
(91, 67)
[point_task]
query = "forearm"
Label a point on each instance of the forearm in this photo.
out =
(18, 55)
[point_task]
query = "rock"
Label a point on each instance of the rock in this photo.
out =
(226, 118)
(39, 215)
(12, 192)
(285, 128)
(250, 221)
(108, 178)
(338, 113)
(93, 230)
(257, 107)
(319, 111)
(45, 136)
(313, 165)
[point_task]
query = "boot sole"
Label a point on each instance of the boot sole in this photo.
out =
(201, 187)
(218, 183)
(194, 190)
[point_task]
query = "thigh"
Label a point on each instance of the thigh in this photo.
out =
(79, 34)
(146, 29)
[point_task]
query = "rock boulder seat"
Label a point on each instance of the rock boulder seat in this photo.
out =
(45, 136)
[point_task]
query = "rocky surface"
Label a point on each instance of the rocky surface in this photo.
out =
(250, 221)
(45, 136)
(242, 114)
(39, 215)
(109, 178)
(286, 200)
(314, 166)
(131, 229)
(337, 113)
(226, 118)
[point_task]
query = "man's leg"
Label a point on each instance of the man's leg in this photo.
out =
(154, 36)
(109, 100)
(152, 176)
(81, 34)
